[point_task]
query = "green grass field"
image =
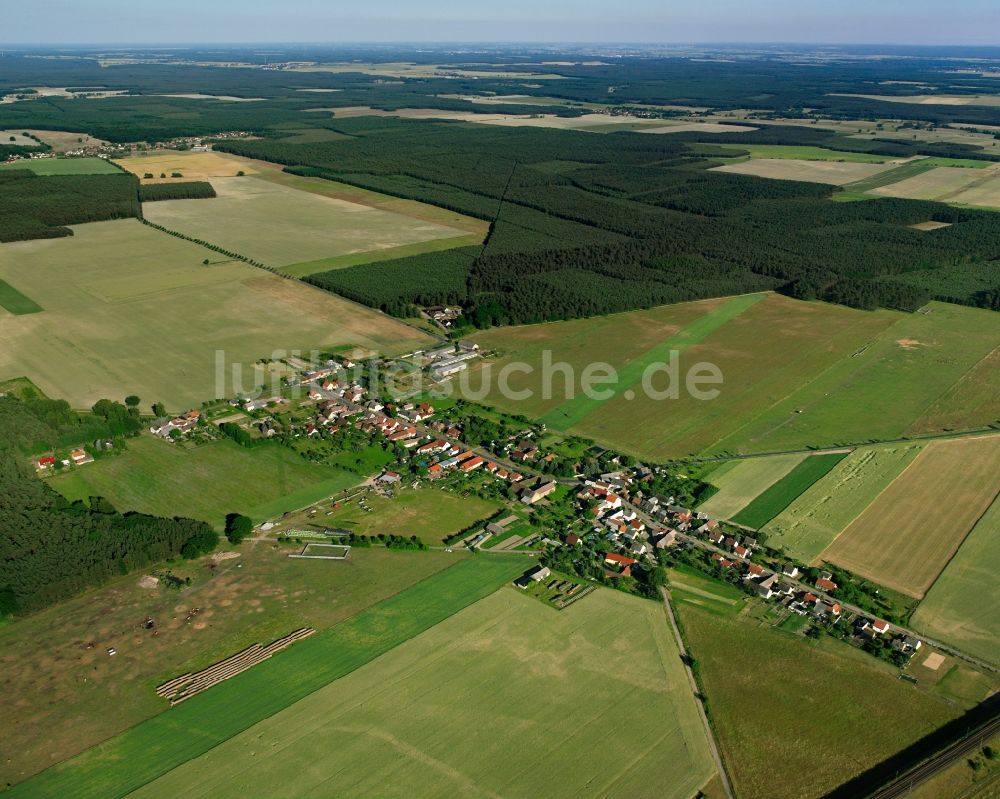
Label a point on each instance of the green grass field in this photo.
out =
(805, 153)
(787, 489)
(65, 166)
(740, 482)
(688, 586)
(129, 309)
(630, 374)
(205, 482)
(477, 706)
(427, 513)
(64, 689)
(16, 302)
(808, 526)
(803, 717)
(136, 757)
(279, 225)
(796, 375)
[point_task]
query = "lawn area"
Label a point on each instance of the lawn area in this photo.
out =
(129, 309)
(907, 536)
(65, 166)
(205, 482)
(70, 698)
(152, 748)
(601, 681)
(808, 526)
(822, 713)
(740, 482)
(958, 608)
(15, 302)
(786, 490)
(881, 386)
(280, 225)
(428, 513)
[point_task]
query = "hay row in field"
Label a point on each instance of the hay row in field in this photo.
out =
(187, 685)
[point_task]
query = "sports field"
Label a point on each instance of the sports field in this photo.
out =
(836, 173)
(909, 533)
(71, 697)
(476, 706)
(795, 374)
(961, 608)
(824, 510)
(192, 166)
(822, 712)
(427, 513)
(156, 477)
(278, 225)
(154, 747)
(129, 309)
(740, 482)
(64, 166)
(14, 301)
(787, 489)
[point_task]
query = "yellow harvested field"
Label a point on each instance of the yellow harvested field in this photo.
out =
(193, 166)
(910, 532)
(698, 127)
(837, 173)
(945, 183)
(931, 99)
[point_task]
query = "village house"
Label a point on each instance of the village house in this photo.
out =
(532, 495)
(533, 575)
(620, 565)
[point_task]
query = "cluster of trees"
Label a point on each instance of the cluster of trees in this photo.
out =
(37, 207)
(188, 190)
(634, 221)
(51, 549)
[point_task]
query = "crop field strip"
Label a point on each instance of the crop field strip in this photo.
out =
(65, 166)
(14, 301)
(907, 536)
(125, 763)
(811, 523)
(130, 309)
(744, 481)
(786, 490)
(413, 722)
(837, 173)
(960, 607)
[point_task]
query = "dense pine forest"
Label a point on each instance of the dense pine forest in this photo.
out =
(585, 224)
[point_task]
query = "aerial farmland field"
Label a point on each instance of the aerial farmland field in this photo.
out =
(742, 481)
(65, 688)
(155, 477)
(907, 536)
(787, 710)
(779, 495)
(278, 225)
(958, 608)
(129, 309)
(949, 184)
(824, 510)
(191, 165)
(602, 677)
(836, 173)
(64, 166)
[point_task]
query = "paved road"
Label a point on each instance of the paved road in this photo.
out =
(709, 732)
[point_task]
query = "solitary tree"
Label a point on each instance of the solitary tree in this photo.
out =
(238, 527)
(132, 401)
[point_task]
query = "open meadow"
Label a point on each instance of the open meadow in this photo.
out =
(809, 525)
(960, 608)
(278, 225)
(740, 482)
(601, 682)
(793, 714)
(836, 173)
(64, 166)
(129, 309)
(907, 536)
(128, 761)
(796, 374)
(428, 513)
(156, 477)
(68, 696)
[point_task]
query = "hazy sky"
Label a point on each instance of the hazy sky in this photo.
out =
(667, 21)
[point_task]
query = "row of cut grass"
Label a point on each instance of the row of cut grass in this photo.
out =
(786, 490)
